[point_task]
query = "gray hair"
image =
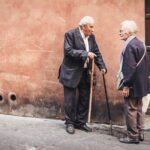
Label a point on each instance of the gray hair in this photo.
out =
(86, 20)
(130, 26)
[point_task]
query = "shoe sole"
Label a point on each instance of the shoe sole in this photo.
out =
(130, 142)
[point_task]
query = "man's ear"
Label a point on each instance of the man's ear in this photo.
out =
(128, 32)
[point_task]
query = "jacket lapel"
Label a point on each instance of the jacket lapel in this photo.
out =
(90, 44)
(79, 38)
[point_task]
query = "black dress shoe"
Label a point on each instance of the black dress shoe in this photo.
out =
(129, 140)
(70, 129)
(141, 137)
(84, 128)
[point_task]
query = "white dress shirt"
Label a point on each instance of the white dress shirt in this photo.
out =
(86, 42)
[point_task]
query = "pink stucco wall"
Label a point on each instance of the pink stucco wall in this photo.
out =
(31, 50)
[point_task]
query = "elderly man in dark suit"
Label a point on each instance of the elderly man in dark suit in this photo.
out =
(135, 73)
(80, 48)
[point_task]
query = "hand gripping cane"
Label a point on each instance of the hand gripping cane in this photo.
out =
(91, 92)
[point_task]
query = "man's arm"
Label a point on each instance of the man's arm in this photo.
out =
(98, 59)
(69, 48)
(129, 66)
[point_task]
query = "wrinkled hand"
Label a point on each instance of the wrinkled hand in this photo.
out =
(91, 55)
(125, 92)
(103, 71)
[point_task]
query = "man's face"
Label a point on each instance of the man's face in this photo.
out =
(124, 34)
(88, 29)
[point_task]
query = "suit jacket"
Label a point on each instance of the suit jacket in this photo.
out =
(135, 77)
(75, 56)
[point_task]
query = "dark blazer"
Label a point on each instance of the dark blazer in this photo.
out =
(135, 77)
(74, 57)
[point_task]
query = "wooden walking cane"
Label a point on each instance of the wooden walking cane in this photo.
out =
(91, 92)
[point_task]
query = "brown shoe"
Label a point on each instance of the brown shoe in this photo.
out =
(129, 140)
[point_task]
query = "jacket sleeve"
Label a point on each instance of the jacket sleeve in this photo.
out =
(129, 65)
(98, 59)
(69, 48)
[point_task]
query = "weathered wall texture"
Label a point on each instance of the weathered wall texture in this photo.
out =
(31, 50)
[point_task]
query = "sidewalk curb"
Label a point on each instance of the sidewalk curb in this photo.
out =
(117, 131)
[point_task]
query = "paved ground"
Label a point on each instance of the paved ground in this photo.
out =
(23, 133)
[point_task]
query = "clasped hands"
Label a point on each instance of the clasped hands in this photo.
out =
(91, 55)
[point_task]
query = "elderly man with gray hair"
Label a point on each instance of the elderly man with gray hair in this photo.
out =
(80, 48)
(135, 81)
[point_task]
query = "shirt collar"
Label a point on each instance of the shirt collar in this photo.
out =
(129, 39)
(127, 42)
(82, 34)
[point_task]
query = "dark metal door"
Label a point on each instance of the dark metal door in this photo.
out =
(147, 37)
(147, 29)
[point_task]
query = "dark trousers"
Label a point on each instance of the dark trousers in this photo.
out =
(134, 117)
(76, 102)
